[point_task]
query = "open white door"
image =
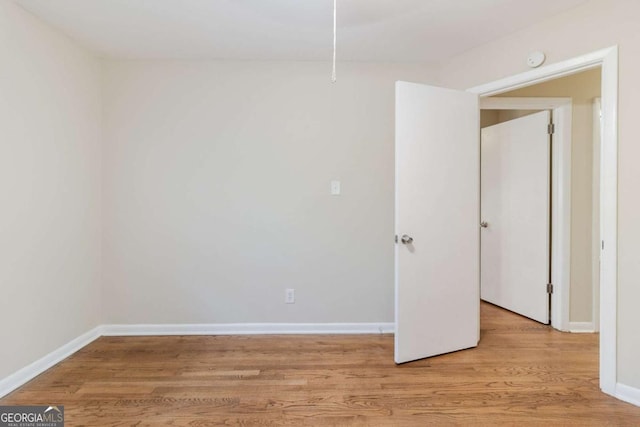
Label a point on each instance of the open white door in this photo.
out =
(516, 216)
(437, 221)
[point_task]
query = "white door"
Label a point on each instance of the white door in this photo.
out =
(437, 221)
(515, 194)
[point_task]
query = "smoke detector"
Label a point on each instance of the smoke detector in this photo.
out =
(535, 59)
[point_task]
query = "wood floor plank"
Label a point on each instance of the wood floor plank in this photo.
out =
(522, 373)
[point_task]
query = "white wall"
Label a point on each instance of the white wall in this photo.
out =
(216, 186)
(592, 26)
(50, 208)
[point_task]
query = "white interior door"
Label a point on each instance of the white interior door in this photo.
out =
(515, 194)
(437, 217)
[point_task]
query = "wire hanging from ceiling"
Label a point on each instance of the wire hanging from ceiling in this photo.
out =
(335, 39)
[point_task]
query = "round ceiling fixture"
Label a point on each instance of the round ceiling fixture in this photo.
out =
(536, 59)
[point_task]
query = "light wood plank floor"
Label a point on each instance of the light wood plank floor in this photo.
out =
(523, 373)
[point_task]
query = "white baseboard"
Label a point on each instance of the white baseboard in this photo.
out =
(628, 394)
(582, 327)
(26, 374)
(248, 329)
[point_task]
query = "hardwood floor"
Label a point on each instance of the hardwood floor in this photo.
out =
(523, 373)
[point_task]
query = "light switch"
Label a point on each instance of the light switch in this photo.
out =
(335, 188)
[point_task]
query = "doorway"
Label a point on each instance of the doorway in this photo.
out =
(575, 169)
(429, 128)
(607, 59)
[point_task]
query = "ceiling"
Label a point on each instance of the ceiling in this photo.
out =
(368, 30)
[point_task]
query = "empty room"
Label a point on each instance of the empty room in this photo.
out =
(319, 212)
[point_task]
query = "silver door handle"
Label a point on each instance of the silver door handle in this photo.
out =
(407, 240)
(484, 224)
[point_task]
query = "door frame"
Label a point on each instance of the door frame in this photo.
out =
(608, 60)
(595, 221)
(562, 113)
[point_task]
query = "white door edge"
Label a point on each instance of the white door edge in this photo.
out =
(597, 138)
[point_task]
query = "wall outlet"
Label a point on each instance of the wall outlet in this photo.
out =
(289, 296)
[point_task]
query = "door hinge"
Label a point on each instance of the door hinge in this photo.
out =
(551, 129)
(396, 238)
(549, 288)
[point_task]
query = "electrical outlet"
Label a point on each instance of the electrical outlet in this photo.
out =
(289, 296)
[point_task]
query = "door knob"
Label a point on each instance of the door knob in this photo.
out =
(484, 224)
(407, 240)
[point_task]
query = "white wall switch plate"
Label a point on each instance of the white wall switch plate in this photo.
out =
(335, 188)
